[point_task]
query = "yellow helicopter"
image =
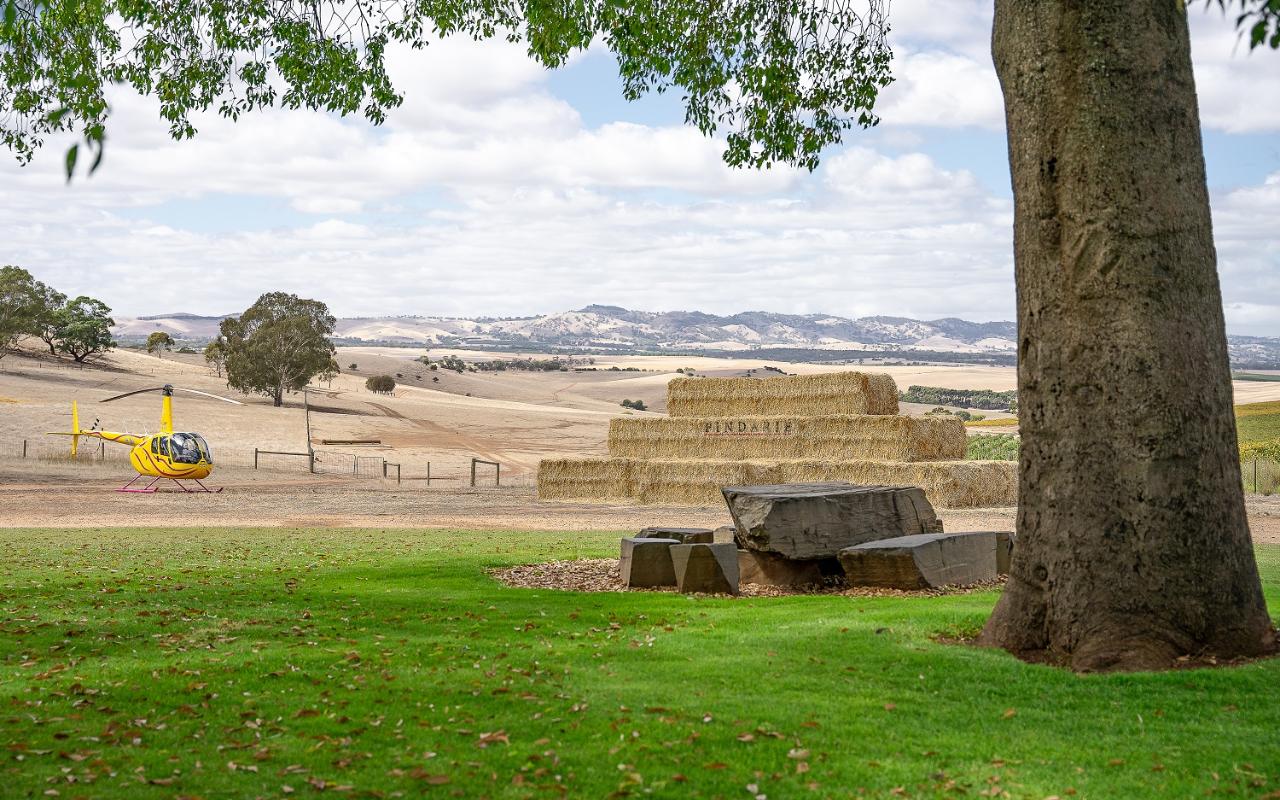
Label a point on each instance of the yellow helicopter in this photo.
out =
(176, 456)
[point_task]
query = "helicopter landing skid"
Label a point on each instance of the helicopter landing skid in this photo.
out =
(151, 488)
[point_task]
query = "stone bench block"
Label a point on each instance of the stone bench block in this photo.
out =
(922, 561)
(818, 520)
(646, 563)
(706, 568)
(767, 569)
(681, 535)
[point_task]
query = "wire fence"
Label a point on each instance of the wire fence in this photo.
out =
(1261, 476)
(452, 470)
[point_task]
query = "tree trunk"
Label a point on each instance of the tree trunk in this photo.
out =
(1133, 547)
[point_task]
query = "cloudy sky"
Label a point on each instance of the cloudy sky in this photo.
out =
(500, 188)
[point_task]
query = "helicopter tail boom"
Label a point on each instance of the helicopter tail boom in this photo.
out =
(75, 433)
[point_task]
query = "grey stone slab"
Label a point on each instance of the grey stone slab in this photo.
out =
(767, 569)
(646, 563)
(681, 535)
(706, 568)
(724, 534)
(922, 561)
(818, 520)
(1005, 540)
(1004, 548)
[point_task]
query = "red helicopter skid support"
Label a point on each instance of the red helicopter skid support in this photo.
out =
(203, 488)
(150, 488)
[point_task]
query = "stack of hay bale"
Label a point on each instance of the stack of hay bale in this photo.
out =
(841, 426)
(799, 535)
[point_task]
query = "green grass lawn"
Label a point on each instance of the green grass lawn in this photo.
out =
(265, 663)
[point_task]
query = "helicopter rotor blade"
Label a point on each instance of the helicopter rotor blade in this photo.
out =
(207, 394)
(130, 394)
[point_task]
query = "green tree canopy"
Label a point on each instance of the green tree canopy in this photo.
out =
(783, 80)
(215, 354)
(382, 384)
(159, 341)
(50, 302)
(83, 328)
(19, 302)
(278, 345)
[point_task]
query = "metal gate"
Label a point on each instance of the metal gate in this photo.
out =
(332, 463)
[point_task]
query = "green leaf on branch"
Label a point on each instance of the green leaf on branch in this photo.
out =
(73, 153)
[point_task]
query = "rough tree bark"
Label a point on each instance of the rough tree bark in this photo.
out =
(1133, 546)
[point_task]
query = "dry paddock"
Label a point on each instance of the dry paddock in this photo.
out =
(73, 497)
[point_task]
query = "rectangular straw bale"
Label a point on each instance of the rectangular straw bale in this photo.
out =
(832, 438)
(687, 482)
(585, 479)
(947, 484)
(799, 395)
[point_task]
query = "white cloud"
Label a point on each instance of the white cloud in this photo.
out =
(940, 89)
(486, 194)
(1237, 89)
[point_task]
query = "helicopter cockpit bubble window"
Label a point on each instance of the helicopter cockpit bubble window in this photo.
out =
(184, 448)
(204, 447)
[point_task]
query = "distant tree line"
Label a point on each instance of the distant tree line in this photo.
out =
(961, 414)
(966, 398)
(79, 327)
(524, 365)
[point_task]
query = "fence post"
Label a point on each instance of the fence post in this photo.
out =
(397, 474)
(311, 462)
(24, 448)
(1255, 476)
(255, 458)
(473, 472)
(428, 474)
(497, 474)
(384, 468)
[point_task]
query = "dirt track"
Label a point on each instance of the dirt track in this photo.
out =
(86, 498)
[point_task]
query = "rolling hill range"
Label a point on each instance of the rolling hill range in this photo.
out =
(620, 330)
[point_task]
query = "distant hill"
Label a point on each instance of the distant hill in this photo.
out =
(620, 330)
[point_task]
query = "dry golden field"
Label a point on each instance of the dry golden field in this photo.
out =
(516, 418)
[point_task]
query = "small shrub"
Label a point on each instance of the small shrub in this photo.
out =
(353, 365)
(381, 384)
(638, 405)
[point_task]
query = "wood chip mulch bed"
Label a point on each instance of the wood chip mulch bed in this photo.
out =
(602, 575)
